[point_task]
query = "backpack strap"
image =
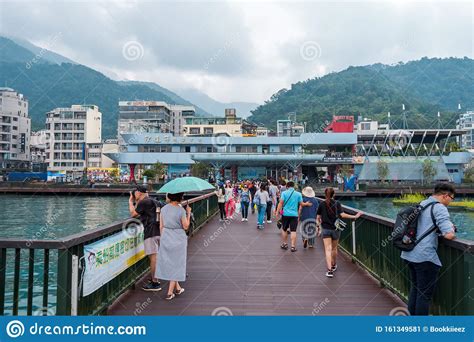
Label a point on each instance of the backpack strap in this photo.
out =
(433, 218)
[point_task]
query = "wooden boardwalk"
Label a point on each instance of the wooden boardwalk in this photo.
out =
(238, 269)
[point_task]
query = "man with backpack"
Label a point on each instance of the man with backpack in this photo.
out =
(422, 259)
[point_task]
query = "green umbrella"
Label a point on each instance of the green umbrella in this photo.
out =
(185, 184)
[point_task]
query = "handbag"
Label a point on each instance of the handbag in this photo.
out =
(279, 222)
(339, 224)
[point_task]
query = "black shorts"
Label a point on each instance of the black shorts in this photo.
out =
(332, 234)
(289, 222)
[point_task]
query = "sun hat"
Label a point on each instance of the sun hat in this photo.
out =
(308, 192)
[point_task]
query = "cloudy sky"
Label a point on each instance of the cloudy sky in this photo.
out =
(240, 51)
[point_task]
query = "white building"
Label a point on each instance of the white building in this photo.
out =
(75, 136)
(38, 142)
(466, 121)
(15, 128)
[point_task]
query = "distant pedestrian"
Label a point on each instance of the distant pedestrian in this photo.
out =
(253, 190)
(174, 221)
(329, 212)
(229, 200)
(245, 200)
(261, 199)
(307, 217)
(287, 209)
(221, 202)
(423, 261)
(144, 208)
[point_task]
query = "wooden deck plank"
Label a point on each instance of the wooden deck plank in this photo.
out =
(242, 270)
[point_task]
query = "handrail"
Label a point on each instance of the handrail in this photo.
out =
(368, 242)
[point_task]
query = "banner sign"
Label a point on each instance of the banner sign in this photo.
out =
(107, 258)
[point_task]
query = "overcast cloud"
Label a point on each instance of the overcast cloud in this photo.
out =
(240, 51)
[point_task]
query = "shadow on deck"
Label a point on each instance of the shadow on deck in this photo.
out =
(243, 271)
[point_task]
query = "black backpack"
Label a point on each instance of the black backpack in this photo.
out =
(406, 226)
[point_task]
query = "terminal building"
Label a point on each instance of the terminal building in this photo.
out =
(358, 147)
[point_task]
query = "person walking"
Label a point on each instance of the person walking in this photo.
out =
(253, 190)
(261, 199)
(272, 192)
(288, 208)
(229, 200)
(329, 212)
(144, 208)
(174, 221)
(307, 217)
(423, 261)
(221, 202)
(245, 200)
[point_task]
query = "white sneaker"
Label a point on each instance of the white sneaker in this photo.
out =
(243, 220)
(246, 219)
(269, 221)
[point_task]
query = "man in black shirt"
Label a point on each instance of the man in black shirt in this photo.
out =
(143, 207)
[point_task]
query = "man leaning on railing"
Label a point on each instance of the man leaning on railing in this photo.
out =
(423, 260)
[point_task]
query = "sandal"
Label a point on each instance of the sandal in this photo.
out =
(284, 246)
(305, 243)
(293, 249)
(170, 296)
(179, 292)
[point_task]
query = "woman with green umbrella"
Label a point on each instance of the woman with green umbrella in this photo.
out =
(174, 221)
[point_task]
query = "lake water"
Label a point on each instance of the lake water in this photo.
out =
(464, 220)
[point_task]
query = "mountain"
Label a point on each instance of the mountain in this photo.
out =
(49, 85)
(425, 87)
(173, 96)
(214, 107)
(43, 53)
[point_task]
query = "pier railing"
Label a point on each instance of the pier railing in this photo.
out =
(368, 242)
(44, 277)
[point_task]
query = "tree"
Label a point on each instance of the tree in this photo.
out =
(346, 170)
(469, 175)
(114, 174)
(149, 173)
(429, 170)
(382, 170)
(200, 170)
(159, 170)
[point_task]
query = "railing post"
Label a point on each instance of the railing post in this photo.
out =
(353, 237)
(63, 297)
(207, 207)
(74, 284)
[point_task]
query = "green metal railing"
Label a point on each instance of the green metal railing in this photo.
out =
(368, 242)
(41, 277)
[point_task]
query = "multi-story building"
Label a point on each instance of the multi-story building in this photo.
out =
(15, 128)
(152, 117)
(289, 128)
(466, 122)
(73, 133)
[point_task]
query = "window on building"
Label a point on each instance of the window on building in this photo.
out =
(185, 149)
(246, 149)
(286, 149)
(365, 126)
(208, 130)
(194, 130)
